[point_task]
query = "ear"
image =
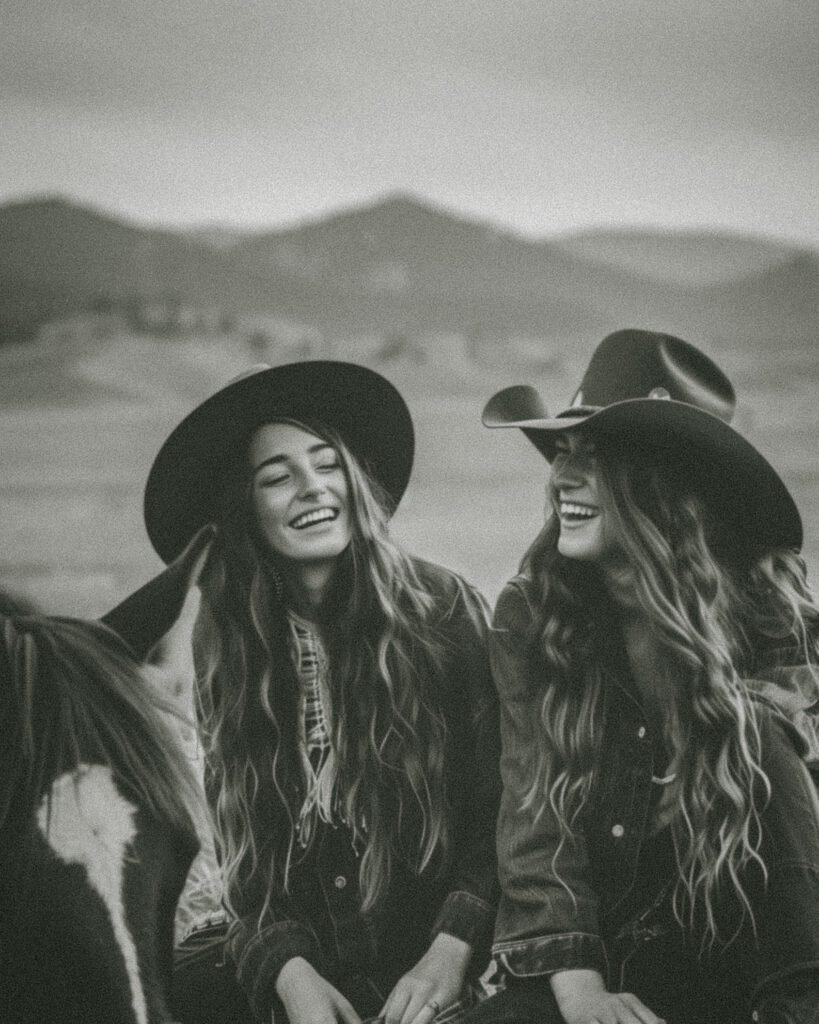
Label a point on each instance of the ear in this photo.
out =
(148, 615)
(172, 654)
(169, 665)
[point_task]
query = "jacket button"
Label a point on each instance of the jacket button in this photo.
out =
(618, 831)
(641, 732)
(340, 882)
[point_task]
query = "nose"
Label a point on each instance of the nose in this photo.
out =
(569, 470)
(312, 483)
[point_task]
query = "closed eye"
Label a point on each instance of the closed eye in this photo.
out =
(582, 448)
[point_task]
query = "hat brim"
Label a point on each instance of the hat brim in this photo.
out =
(747, 492)
(363, 407)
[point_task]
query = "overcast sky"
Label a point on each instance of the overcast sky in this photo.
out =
(543, 115)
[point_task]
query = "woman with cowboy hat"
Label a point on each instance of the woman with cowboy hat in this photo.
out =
(345, 705)
(658, 838)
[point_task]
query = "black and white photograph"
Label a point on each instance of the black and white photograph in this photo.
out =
(409, 494)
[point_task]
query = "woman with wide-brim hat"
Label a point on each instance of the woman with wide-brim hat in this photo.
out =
(345, 705)
(658, 838)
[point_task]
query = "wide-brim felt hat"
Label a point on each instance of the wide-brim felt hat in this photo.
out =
(659, 392)
(363, 407)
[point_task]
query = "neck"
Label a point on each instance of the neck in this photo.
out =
(619, 581)
(309, 583)
(649, 669)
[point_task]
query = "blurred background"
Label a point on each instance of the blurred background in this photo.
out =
(461, 195)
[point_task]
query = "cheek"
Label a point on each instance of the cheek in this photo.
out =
(268, 513)
(608, 534)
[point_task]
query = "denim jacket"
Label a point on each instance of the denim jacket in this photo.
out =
(321, 918)
(547, 924)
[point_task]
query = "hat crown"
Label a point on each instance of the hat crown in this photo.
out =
(632, 364)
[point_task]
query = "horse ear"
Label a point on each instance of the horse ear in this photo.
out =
(145, 617)
(21, 654)
(169, 664)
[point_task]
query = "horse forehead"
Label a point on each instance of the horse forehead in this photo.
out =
(86, 820)
(83, 811)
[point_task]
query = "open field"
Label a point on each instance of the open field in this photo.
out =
(80, 423)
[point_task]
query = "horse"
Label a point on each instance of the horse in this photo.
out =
(99, 819)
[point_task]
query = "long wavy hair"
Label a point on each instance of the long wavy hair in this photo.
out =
(388, 734)
(710, 607)
(72, 694)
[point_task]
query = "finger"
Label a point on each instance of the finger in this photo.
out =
(641, 1012)
(395, 1005)
(625, 1015)
(412, 1009)
(346, 1011)
(419, 1012)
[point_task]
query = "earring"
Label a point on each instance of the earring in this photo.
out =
(276, 581)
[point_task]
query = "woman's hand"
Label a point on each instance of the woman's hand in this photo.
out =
(583, 999)
(310, 999)
(435, 982)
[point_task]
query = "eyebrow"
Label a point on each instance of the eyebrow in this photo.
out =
(277, 459)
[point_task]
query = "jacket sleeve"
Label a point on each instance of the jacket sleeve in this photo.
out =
(547, 920)
(260, 943)
(788, 919)
(468, 911)
(260, 950)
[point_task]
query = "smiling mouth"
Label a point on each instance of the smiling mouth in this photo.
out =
(577, 512)
(313, 517)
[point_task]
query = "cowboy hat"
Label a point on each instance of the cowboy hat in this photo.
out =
(663, 394)
(368, 413)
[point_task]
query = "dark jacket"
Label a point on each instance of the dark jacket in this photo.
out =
(546, 924)
(321, 919)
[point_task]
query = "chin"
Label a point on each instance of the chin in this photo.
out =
(580, 552)
(323, 552)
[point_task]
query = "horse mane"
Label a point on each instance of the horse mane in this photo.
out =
(72, 693)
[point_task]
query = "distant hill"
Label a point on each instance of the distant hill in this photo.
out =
(401, 265)
(695, 258)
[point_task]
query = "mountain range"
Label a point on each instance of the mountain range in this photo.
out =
(402, 265)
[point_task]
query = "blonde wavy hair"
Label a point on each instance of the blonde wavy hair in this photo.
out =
(710, 607)
(388, 734)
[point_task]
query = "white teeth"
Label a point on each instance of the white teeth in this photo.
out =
(570, 508)
(319, 515)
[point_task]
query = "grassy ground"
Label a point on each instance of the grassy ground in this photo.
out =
(81, 421)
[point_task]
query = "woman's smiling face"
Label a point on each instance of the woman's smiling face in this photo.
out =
(299, 494)
(576, 490)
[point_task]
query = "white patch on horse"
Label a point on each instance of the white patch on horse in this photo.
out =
(87, 821)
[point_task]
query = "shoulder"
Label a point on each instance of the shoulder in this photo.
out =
(435, 577)
(792, 803)
(449, 590)
(516, 607)
(788, 697)
(784, 748)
